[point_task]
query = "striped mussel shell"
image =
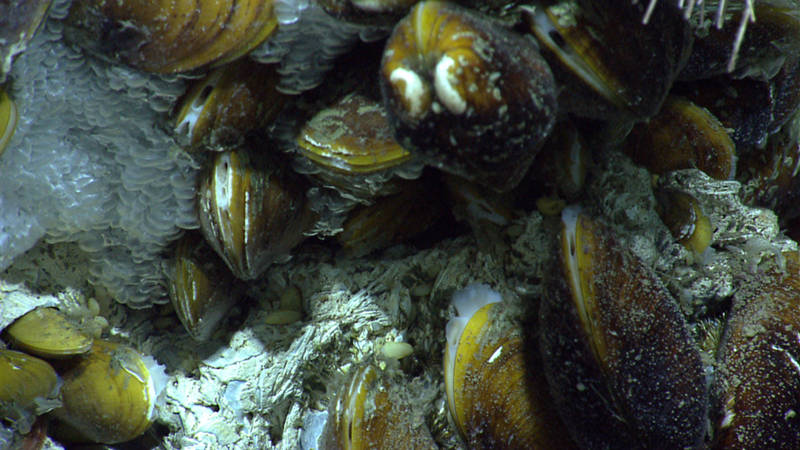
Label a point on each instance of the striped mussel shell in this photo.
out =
(252, 211)
(167, 37)
(351, 147)
(218, 110)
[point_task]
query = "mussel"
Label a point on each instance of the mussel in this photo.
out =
(466, 94)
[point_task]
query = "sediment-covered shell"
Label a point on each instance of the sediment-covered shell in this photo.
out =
(392, 219)
(371, 411)
(770, 103)
(47, 333)
(28, 388)
(252, 212)
(469, 96)
(220, 108)
(8, 119)
(200, 287)
(108, 395)
(167, 37)
(19, 21)
(683, 136)
(496, 397)
(622, 367)
(757, 389)
(351, 146)
(607, 58)
(684, 217)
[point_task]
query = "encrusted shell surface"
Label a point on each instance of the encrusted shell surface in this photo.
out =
(47, 333)
(108, 395)
(371, 411)
(496, 394)
(757, 390)
(28, 388)
(622, 367)
(251, 212)
(468, 95)
(166, 37)
(351, 146)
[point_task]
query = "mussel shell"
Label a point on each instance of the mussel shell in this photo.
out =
(623, 369)
(19, 21)
(166, 37)
(495, 395)
(218, 110)
(252, 212)
(108, 394)
(757, 390)
(371, 411)
(351, 146)
(200, 287)
(47, 333)
(469, 96)
(8, 119)
(28, 387)
(683, 136)
(684, 217)
(772, 38)
(393, 219)
(769, 175)
(609, 61)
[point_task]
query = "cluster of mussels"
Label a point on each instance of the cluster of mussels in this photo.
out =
(462, 100)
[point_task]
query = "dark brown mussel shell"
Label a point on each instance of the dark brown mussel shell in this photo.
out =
(466, 94)
(201, 288)
(351, 146)
(219, 109)
(757, 389)
(372, 411)
(683, 136)
(767, 42)
(770, 103)
(608, 60)
(622, 367)
(769, 175)
(393, 219)
(163, 36)
(252, 210)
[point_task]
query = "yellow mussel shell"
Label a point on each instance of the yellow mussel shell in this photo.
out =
(8, 119)
(46, 332)
(28, 387)
(109, 395)
(353, 136)
(168, 37)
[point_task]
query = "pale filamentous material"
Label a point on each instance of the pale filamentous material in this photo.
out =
(89, 164)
